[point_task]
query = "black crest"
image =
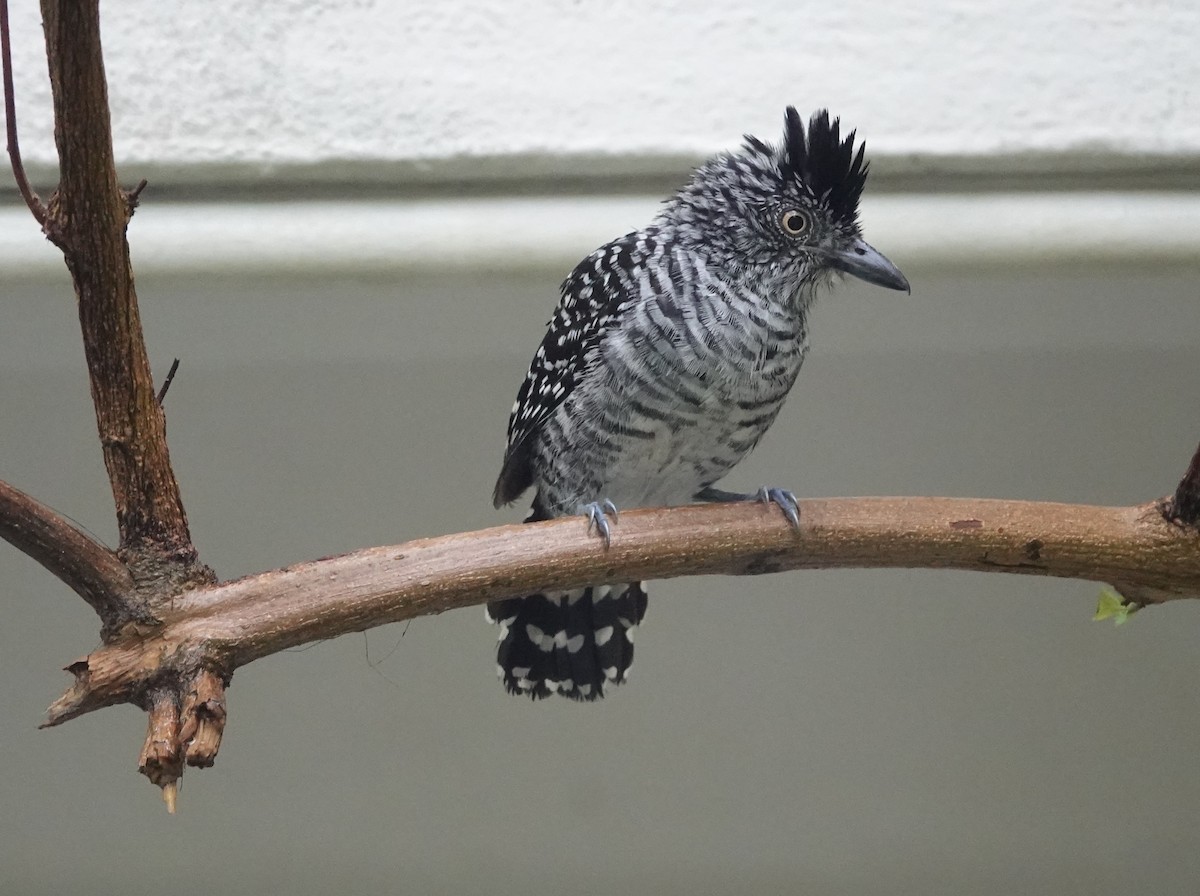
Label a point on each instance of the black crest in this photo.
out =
(826, 164)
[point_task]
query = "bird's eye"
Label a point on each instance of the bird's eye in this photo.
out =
(795, 222)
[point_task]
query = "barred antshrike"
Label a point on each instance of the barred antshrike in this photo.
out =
(668, 357)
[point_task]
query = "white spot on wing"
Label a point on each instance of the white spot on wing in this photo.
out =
(539, 638)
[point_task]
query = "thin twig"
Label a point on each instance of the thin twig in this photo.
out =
(10, 113)
(134, 196)
(162, 392)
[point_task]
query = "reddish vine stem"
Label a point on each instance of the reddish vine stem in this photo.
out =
(10, 114)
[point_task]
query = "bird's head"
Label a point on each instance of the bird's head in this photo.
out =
(785, 215)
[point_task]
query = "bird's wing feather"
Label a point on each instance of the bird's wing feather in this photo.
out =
(593, 299)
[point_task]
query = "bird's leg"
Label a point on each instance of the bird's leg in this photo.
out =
(597, 514)
(782, 497)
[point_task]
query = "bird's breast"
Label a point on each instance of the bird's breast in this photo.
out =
(676, 394)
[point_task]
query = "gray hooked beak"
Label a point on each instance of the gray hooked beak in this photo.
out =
(865, 263)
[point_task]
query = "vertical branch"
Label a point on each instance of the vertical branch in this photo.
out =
(87, 217)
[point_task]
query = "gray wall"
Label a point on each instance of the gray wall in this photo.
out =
(875, 732)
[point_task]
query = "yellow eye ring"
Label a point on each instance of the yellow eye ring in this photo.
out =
(795, 222)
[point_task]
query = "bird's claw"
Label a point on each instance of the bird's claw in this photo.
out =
(597, 514)
(786, 501)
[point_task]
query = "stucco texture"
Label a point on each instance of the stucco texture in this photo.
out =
(307, 82)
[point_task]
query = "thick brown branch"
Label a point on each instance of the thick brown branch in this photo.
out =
(90, 569)
(87, 220)
(228, 626)
(10, 115)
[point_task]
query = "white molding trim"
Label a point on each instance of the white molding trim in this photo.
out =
(511, 233)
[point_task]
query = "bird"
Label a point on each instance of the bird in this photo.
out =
(669, 355)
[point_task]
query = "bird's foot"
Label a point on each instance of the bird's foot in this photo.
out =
(597, 514)
(786, 501)
(782, 497)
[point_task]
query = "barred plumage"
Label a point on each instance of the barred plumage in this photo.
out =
(670, 354)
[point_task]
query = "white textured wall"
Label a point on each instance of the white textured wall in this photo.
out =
(301, 81)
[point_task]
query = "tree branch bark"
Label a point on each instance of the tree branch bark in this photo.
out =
(87, 218)
(222, 628)
(91, 570)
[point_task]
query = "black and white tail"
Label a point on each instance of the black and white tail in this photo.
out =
(575, 643)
